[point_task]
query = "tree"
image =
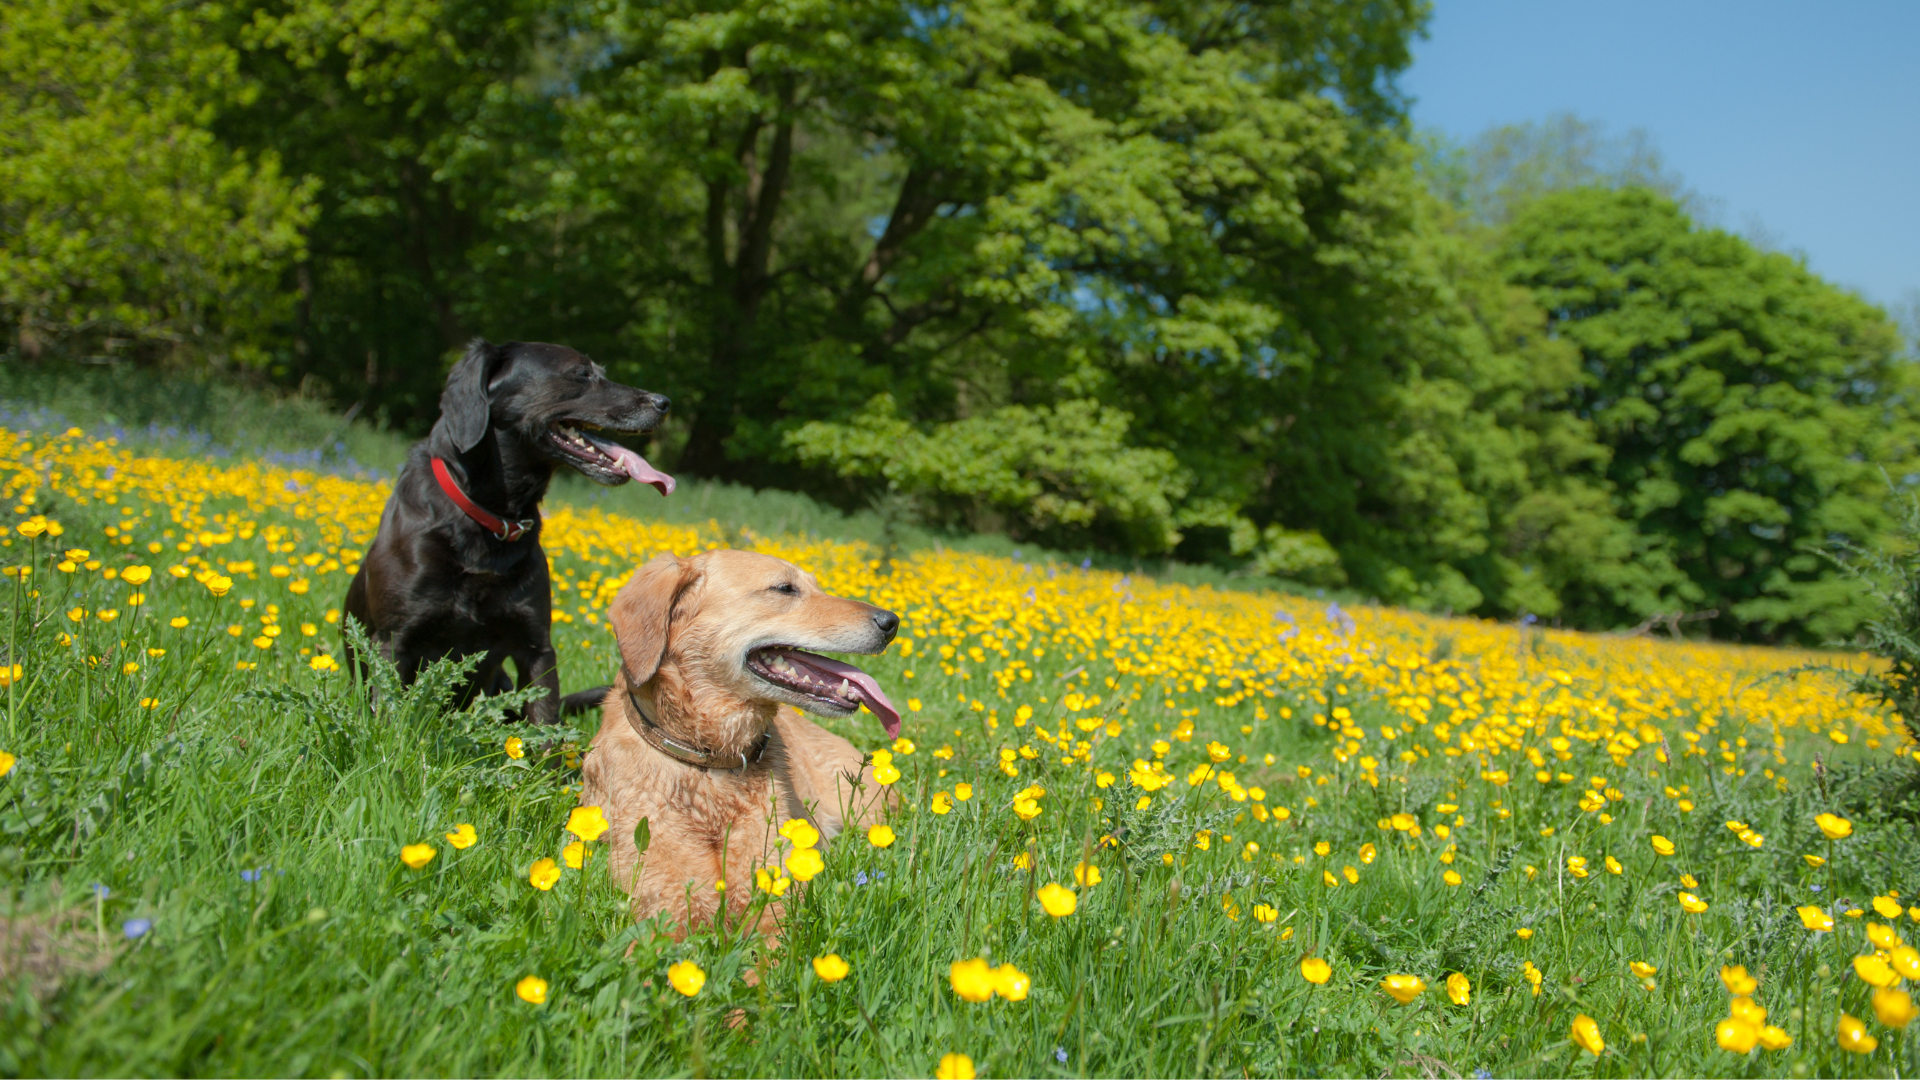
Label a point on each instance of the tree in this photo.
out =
(1751, 411)
(129, 229)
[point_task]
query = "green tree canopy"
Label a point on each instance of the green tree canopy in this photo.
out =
(1752, 413)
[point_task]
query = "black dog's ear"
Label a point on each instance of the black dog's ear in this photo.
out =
(463, 404)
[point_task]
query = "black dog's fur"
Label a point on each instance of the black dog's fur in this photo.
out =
(435, 583)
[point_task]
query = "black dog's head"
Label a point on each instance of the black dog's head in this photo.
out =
(551, 399)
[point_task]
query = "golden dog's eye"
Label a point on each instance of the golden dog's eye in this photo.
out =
(786, 587)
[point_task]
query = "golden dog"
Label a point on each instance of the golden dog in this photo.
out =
(701, 735)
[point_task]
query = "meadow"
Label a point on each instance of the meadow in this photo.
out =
(1146, 827)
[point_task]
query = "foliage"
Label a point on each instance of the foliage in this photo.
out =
(253, 913)
(1749, 410)
(126, 228)
(1047, 473)
(1891, 574)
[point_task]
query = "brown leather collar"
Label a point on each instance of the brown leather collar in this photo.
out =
(679, 751)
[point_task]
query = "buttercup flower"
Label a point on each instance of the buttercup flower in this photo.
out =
(1737, 981)
(1735, 1035)
(587, 823)
(544, 874)
(1315, 970)
(1011, 983)
(1834, 827)
(1692, 903)
(955, 1066)
(1058, 901)
(1403, 988)
(880, 836)
(1813, 918)
(830, 968)
(1586, 1034)
(574, 855)
(1459, 989)
(1874, 971)
(686, 977)
(805, 864)
(799, 832)
(515, 748)
(462, 837)
(532, 990)
(417, 855)
(1086, 875)
(971, 979)
(1852, 1036)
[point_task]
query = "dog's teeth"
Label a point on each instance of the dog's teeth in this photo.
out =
(845, 689)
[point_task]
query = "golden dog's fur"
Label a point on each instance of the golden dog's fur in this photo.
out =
(685, 629)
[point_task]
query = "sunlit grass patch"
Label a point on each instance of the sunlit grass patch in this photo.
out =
(1147, 828)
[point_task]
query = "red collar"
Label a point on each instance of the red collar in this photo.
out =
(501, 529)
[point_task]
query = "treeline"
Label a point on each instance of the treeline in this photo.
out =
(1158, 278)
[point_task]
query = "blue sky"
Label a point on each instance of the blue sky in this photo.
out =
(1798, 122)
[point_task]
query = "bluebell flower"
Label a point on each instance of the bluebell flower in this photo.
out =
(1060, 1054)
(101, 892)
(1086, 564)
(1483, 1073)
(860, 878)
(135, 928)
(251, 875)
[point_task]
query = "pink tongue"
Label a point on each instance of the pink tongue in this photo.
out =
(634, 465)
(874, 698)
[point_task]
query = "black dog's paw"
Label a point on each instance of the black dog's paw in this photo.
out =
(584, 700)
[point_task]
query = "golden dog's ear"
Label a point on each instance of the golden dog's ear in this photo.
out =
(642, 614)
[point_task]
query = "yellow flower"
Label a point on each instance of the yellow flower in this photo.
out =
(686, 977)
(800, 832)
(574, 854)
(178, 622)
(1024, 860)
(136, 575)
(462, 837)
(1403, 988)
(515, 748)
(1692, 903)
(1523, 933)
(1086, 875)
(323, 662)
(1883, 937)
(1852, 1036)
(1315, 970)
(532, 990)
(1027, 808)
(1894, 1008)
(1814, 918)
(1586, 1034)
(1451, 878)
(1011, 983)
(587, 823)
(544, 874)
(942, 803)
(955, 1066)
(1815, 861)
(1905, 959)
(417, 855)
(1887, 906)
(1459, 989)
(1613, 866)
(1331, 881)
(1774, 1038)
(1737, 981)
(880, 836)
(1532, 975)
(1642, 970)
(6, 762)
(830, 967)
(1217, 752)
(1736, 1035)
(1749, 1011)
(1834, 827)
(1322, 849)
(1577, 866)
(885, 774)
(963, 792)
(1367, 854)
(805, 864)
(1352, 875)
(1874, 971)
(1058, 900)
(1265, 914)
(971, 979)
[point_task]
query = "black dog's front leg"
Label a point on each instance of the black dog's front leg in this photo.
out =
(540, 667)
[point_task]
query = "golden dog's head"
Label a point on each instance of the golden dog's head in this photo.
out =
(746, 626)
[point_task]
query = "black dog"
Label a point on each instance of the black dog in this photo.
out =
(456, 567)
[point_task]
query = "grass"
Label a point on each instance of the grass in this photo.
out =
(208, 844)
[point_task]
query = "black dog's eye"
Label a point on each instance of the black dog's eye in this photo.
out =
(786, 587)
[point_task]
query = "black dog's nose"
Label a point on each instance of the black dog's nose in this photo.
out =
(662, 402)
(887, 621)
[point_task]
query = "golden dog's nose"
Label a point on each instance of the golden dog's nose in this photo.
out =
(887, 621)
